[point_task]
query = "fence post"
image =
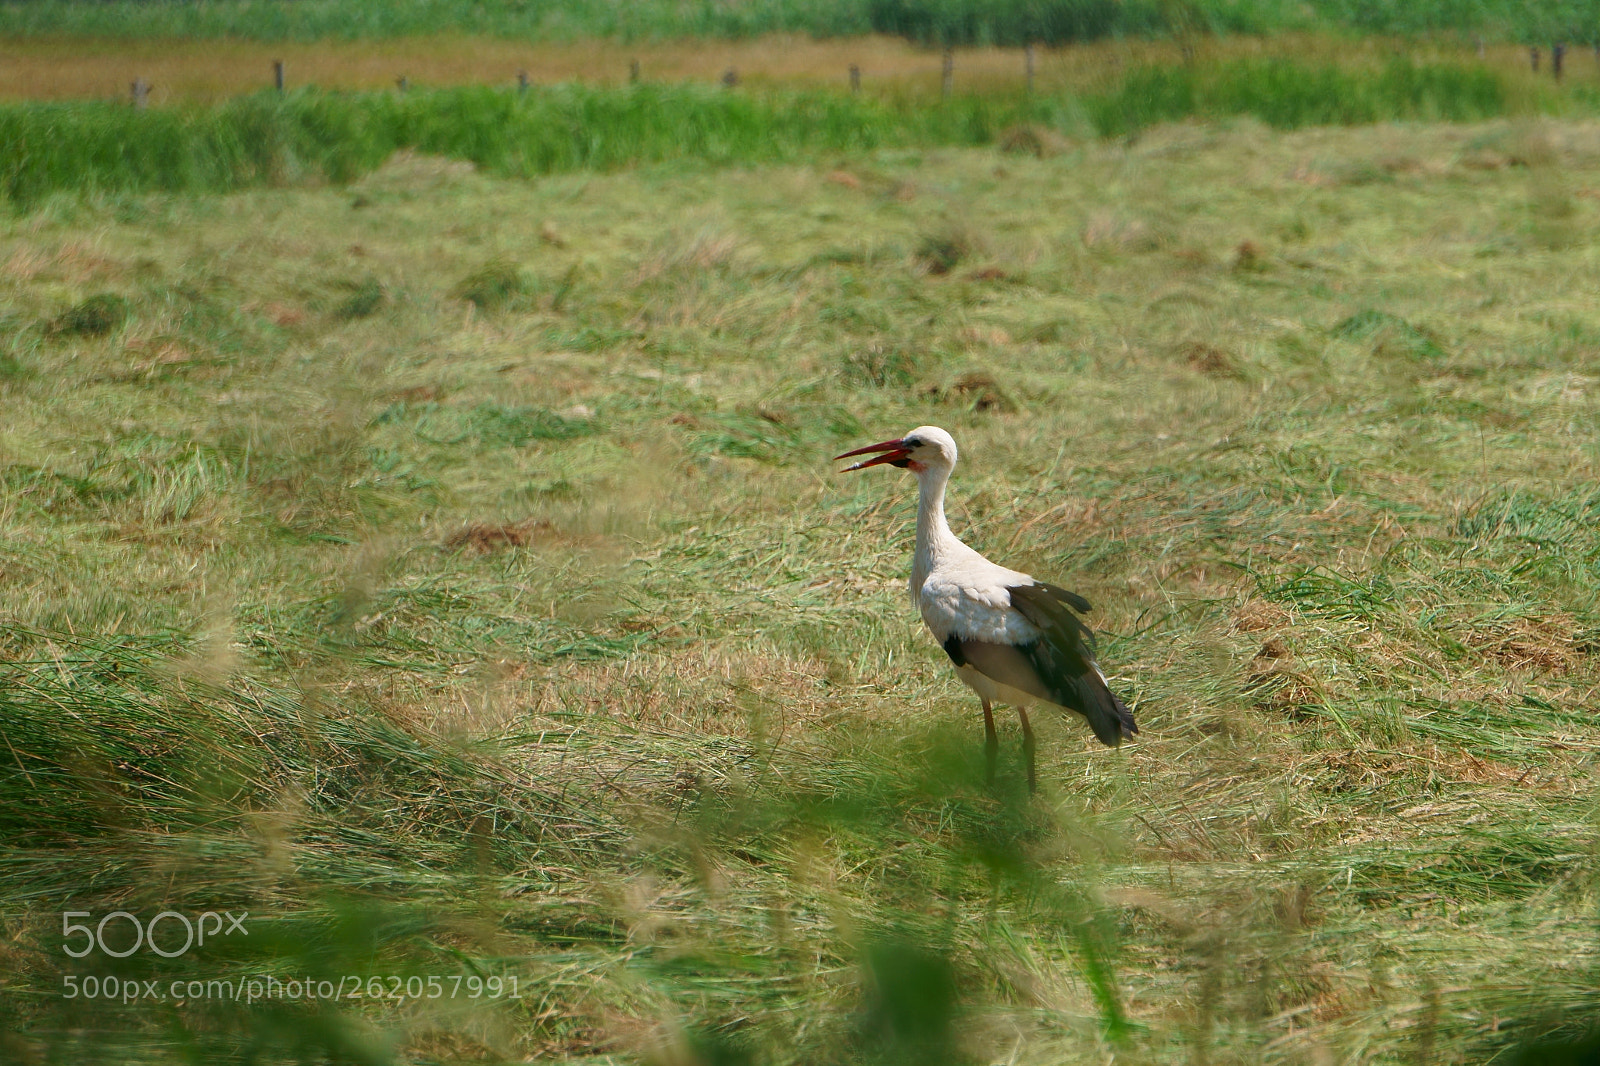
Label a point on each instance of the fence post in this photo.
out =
(277, 74)
(1558, 52)
(141, 93)
(1533, 58)
(1027, 63)
(1479, 41)
(522, 81)
(730, 78)
(401, 83)
(947, 81)
(855, 78)
(633, 71)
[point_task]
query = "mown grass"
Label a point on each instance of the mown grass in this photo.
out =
(311, 136)
(448, 570)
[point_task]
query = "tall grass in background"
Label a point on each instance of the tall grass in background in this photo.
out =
(271, 139)
(355, 19)
(1015, 22)
(933, 21)
(1542, 22)
(1289, 95)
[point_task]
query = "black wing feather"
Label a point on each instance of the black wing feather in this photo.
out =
(952, 648)
(1063, 659)
(1071, 599)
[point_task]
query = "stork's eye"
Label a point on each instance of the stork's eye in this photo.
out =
(913, 442)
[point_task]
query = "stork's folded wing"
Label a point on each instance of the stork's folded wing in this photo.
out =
(1063, 661)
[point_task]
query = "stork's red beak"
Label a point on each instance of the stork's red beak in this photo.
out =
(894, 451)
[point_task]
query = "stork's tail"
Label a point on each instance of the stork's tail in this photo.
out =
(1108, 716)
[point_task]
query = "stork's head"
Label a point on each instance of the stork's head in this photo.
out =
(924, 448)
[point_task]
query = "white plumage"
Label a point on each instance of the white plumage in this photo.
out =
(1012, 639)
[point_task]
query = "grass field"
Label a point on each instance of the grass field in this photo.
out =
(448, 570)
(1005, 22)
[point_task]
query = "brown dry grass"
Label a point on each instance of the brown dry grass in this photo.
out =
(1543, 644)
(489, 537)
(1209, 359)
(208, 70)
(178, 70)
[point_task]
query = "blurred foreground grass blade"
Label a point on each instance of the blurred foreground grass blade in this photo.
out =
(909, 1013)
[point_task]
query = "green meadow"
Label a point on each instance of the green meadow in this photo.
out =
(104, 148)
(418, 534)
(1005, 22)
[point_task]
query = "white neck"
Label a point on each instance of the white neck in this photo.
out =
(934, 539)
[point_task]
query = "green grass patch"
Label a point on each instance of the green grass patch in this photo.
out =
(266, 139)
(308, 135)
(94, 317)
(363, 298)
(493, 285)
(1288, 94)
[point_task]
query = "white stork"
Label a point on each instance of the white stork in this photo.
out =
(1013, 639)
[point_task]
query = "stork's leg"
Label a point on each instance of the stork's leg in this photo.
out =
(991, 742)
(1027, 747)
